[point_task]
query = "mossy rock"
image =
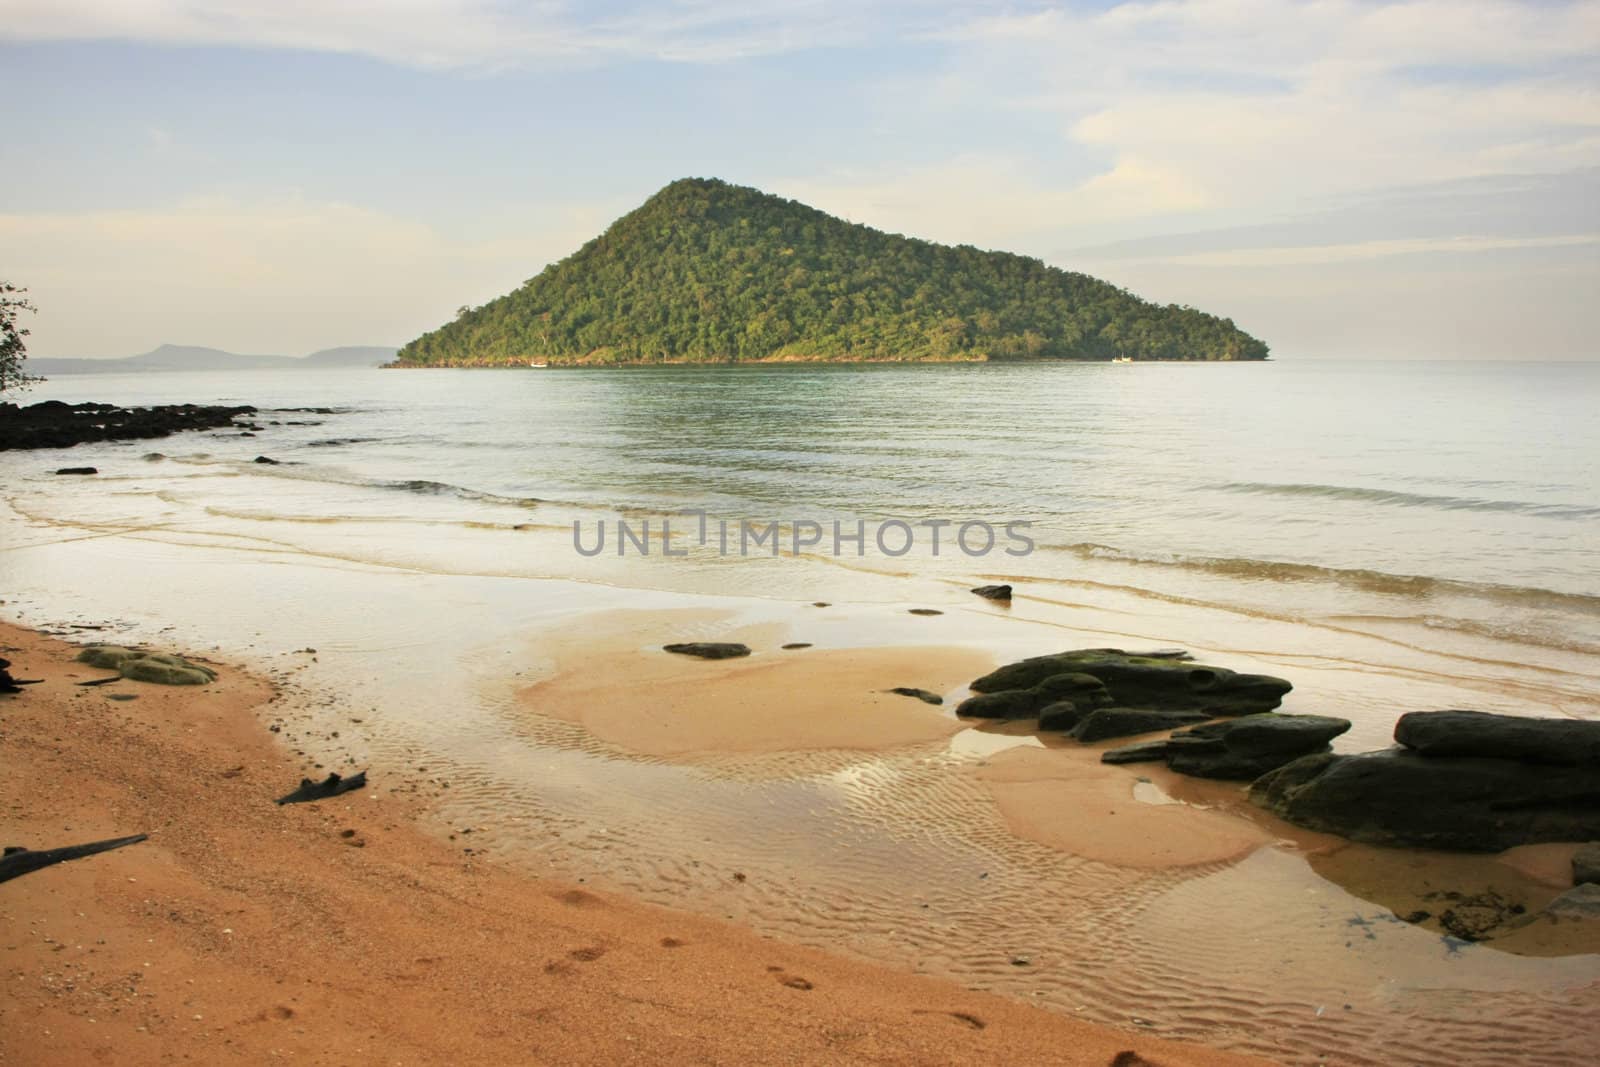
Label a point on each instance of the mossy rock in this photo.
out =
(106, 657)
(140, 666)
(166, 670)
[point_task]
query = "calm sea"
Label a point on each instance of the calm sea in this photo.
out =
(1466, 492)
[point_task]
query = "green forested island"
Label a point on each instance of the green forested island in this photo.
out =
(707, 272)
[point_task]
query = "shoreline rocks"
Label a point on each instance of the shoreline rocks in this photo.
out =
(54, 424)
(1420, 797)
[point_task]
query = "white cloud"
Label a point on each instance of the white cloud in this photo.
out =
(283, 275)
(475, 33)
(1315, 255)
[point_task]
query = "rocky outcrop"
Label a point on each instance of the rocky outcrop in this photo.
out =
(53, 424)
(1136, 680)
(1466, 803)
(1236, 749)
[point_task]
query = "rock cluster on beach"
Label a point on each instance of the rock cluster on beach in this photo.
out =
(1097, 693)
(1468, 781)
(1458, 780)
(54, 424)
(140, 666)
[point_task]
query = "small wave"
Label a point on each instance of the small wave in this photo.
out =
(1396, 498)
(427, 488)
(1413, 585)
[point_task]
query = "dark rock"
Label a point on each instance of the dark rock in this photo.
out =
(1157, 682)
(1271, 734)
(709, 649)
(1559, 742)
(1578, 903)
(792, 645)
(331, 786)
(994, 592)
(267, 461)
(17, 862)
(1011, 704)
(1125, 722)
(1400, 797)
(78, 470)
(1082, 690)
(921, 694)
(1062, 715)
(1586, 864)
(53, 424)
(1248, 747)
(1142, 752)
(925, 611)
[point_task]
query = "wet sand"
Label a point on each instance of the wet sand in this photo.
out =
(616, 682)
(339, 932)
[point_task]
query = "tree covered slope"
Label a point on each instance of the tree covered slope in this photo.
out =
(705, 271)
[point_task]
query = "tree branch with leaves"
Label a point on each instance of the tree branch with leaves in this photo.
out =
(13, 350)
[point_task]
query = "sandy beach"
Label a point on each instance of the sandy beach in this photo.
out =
(340, 931)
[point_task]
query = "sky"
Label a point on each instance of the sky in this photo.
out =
(1352, 180)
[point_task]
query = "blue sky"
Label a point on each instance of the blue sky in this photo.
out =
(1351, 180)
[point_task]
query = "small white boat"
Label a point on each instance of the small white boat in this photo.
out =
(1122, 359)
(537, 365)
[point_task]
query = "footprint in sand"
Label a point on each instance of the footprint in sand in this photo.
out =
(587, 955)
(577, 898)
(793, 981)
(965, 1018)
(672, 942)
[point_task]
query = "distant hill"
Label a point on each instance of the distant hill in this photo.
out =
(194, 357)
(705, 271)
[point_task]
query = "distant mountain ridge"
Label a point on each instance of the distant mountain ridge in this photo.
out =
(196, 357)
(708, 272)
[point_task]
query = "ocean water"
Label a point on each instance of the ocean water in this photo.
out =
(1389, 536)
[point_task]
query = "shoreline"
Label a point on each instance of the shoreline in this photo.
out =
(242, 930)
(785, 361)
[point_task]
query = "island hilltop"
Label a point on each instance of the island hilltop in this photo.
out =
(707, 272)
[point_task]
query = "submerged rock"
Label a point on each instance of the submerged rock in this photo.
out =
(994, 592)
(1559, 742)
(78, 470)
(709, 649)
(1402, 797)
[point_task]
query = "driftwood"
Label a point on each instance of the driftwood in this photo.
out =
(101, 681)
(330, 786)
(20, 861)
